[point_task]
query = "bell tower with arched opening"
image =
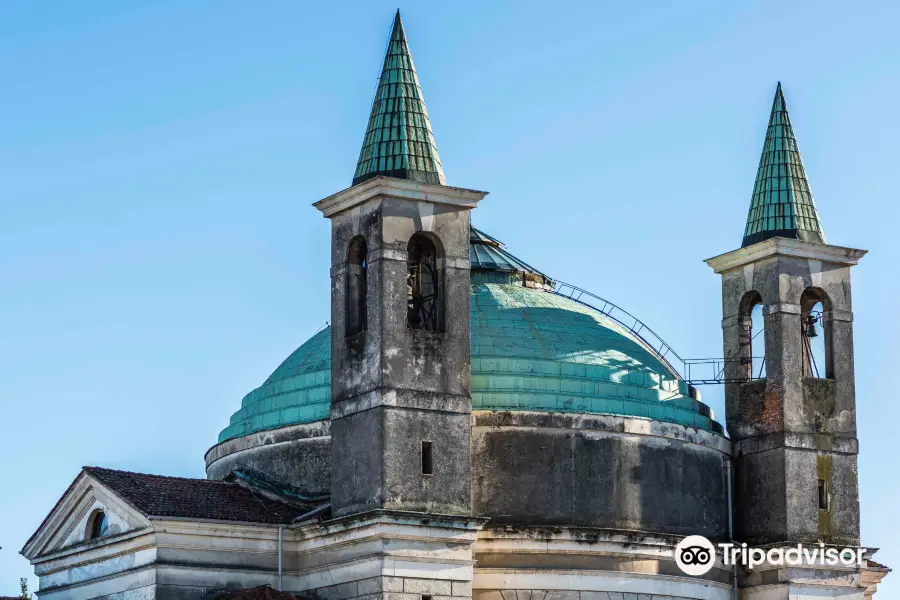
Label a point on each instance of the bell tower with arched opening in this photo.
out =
(792, 420)
(401, 485)
(400, 409)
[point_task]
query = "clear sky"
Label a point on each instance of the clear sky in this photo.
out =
(160, 256)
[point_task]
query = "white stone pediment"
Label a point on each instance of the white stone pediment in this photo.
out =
(69, 522)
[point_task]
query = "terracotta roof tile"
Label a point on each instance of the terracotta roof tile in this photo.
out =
(161, 496)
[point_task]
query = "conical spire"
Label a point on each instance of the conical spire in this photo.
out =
(782, 204)
(399, 142)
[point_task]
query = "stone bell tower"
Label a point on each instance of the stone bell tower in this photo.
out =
(794, 430)
(400, 407)
(400, 410)
(400, 353)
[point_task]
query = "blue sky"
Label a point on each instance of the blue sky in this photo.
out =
(158, 161)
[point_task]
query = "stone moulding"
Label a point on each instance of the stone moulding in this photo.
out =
(398, 188)
(586, 561)
(785, 247)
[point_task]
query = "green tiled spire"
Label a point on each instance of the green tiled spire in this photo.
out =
(399, 142)
(782, 204)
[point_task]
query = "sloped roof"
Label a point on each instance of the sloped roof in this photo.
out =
(782, 203)
(161, 496)
(487, 253)
(875, 565)
(182, 497)
(399, 142)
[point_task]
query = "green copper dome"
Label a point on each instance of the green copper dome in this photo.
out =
(299, 391)
(531, 350)
(535, 350)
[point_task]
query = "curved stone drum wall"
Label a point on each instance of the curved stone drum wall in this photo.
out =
(298, 456)
(600, 471)
(576, 422)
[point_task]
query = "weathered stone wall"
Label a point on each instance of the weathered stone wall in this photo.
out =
(806, 521)
(793, 433)
(298, 456)
(405, 487)
(394, 387)
(391, 355)
(614, 472)
(531, 468)
(781, 282)
(759, 489)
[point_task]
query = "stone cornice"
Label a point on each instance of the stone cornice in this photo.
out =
(398, 188)
(403, 398)
(840, 444)
(102, 549)
(394, 519)
(600, 424)
(839, 255)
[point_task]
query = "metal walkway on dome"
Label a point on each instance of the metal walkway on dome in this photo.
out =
(693, 371)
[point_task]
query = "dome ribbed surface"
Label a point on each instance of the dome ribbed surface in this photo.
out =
(535, 350)
(531, 350)
(298, 391)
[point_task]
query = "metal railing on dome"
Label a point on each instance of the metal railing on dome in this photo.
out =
(694, 371)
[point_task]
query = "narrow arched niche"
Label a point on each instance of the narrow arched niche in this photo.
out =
(816, 334)
(752, 341)
(424, 285)
(357, 286)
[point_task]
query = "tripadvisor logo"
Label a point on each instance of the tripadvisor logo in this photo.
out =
(696, 555)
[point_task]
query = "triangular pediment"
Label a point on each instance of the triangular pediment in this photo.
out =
(69, 523)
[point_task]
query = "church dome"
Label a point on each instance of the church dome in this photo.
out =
(298, 391)
(532, 350)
